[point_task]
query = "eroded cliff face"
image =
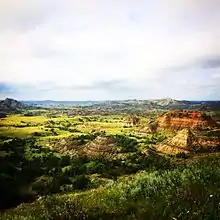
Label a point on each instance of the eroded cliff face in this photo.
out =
(176, 120)
(101, 146)
(180, 143)
(188, 126)
(185, 141)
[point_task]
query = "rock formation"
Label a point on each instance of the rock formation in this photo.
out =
(101, 146)
(177, 120)
(182, 142)
(183, 139)
(186, 142)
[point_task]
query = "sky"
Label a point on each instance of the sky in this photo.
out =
(109, 49)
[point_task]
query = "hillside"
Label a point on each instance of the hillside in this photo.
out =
(11, 105)
(172, 194)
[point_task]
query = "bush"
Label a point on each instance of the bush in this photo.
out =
(126, 144)
(43, 184)
(182, 155)
(191, 192)
(28, 164)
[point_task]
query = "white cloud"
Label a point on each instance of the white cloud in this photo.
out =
(79, 43)
(216, 75)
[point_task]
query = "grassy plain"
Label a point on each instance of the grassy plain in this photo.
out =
(23, 126)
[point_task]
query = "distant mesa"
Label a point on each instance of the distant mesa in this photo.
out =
(131, 106)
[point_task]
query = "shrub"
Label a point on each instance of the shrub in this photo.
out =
(182, 155)
(43, 184)
(126, 144)
(191, 192)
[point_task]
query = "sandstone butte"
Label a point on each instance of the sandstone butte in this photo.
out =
(182, 142)
(187, 125)
(177, 120)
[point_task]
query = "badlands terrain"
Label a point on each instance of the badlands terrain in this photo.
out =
(131, 159)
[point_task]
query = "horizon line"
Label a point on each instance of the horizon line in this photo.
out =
(106, 100)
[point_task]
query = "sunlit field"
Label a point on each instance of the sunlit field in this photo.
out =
(21, 126)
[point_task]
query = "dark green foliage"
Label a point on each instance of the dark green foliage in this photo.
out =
(139, 161)
(126, 143)
(28, 169)
(182, 155)
(85, 138)
(106, 168)
(187, 193)
(155, 138)
(29, 114)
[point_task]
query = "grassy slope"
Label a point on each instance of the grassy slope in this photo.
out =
(190, 192)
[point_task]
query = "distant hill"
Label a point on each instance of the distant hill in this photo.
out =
(116, 105)
(12, 105)
(163, 104)
(59, 104)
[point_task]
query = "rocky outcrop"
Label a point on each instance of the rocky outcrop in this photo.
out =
(163, 148)
(181, 143)
(186, 142)
(101, 146)
(207, 142)
(183, 139)
(176, 120)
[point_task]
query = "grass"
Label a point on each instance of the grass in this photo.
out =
(25, 132)
(189, 192)
(108, 127)
(25, 126)
(19, 119)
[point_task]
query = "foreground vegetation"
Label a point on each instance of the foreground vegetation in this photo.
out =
(29, 170)
(187, 192)
(49, 170)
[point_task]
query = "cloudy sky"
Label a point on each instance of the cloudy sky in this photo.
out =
(109, 49)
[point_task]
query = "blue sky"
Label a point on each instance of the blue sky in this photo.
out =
(102, 49)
